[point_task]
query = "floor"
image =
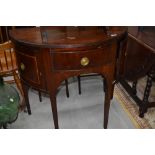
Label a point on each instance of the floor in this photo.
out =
(83, 111)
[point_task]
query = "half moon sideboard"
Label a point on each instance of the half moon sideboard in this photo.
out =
(47, 56)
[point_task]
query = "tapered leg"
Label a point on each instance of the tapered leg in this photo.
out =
(106, 110)
(109, 88)
(104, 85)
(54, 110)
(25, 91)
(40, 98)
(79, 84)
(67, 90)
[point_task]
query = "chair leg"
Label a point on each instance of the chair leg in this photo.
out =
(40, 97)
(79, 83)
(18, 83)
(67, 90)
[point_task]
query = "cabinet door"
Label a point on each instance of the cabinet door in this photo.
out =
(31, 66)
(28, 67)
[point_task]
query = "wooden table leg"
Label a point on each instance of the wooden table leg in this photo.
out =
(67, 90)
(109, 88)
(106, 110)
(54, 110)
(40, 97)
(134, 87)
(144, 106)
(25, 91)
(79, 84)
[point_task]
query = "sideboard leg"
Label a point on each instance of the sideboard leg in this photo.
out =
(106, 110)
(67, 90)
(108, 95)
(104, 85)
(25, 91)
(54, 110)
(79, 84)
(40, 97)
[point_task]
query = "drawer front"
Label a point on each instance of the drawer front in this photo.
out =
(83, 59)
(28, 67)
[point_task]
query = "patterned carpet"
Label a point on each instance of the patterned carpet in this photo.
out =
(132, 109)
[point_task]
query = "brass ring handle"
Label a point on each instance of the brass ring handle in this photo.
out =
(22, 66)
(84, 61)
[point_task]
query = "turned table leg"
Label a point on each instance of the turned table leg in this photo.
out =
(134, 87)
(143, 108)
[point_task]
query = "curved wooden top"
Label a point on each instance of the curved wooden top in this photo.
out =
(65, 36)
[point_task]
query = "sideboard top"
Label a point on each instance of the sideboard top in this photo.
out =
(65, 36)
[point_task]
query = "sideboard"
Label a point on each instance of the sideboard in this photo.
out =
(48, 55)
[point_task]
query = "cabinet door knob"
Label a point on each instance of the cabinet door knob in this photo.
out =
(22, 66)
(84, 61)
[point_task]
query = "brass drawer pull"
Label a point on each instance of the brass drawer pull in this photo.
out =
(84, 61)
(22, 66)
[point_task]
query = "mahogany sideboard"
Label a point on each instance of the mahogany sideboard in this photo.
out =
(48, 55)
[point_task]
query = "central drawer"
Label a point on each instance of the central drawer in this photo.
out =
(82, 59)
